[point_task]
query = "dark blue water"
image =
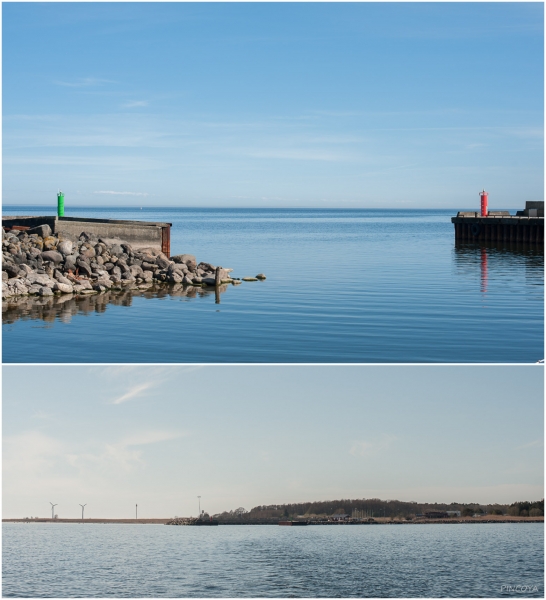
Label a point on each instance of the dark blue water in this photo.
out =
(72, 560)
(342, 286)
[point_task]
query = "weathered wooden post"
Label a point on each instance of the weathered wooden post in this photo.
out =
(217, 282)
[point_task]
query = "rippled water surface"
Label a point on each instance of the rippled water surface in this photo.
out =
(342, 286)
(60, 560)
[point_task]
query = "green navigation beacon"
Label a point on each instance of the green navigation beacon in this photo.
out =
(60, 204)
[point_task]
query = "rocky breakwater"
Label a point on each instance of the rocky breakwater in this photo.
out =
(35, 262)
(191, 521)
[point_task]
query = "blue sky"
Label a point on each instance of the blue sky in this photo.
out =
(356, 105)
(115, 436)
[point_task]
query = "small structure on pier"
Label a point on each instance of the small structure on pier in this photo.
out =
(526, 226)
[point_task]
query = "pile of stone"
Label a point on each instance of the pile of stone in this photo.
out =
(36, 262)
(182, 521)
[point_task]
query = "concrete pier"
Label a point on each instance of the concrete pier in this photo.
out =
(526, 227)
(140, 234)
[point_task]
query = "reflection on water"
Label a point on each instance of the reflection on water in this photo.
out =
(63, 308)
(496, 258)
(484, 270)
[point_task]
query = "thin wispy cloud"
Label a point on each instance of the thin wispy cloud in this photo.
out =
(84, 82)
(135, 104)
(30, 451)
(113, 193)
(33, 452)
(150, 437)
(134, 392)
(533, 444)
(296, 154)
(124, 453)
(132, 382)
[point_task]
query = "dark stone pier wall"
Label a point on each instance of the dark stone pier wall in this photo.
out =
(526, 230)
(139, 234)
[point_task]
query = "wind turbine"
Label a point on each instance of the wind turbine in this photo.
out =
(83, 506)
(52, 509)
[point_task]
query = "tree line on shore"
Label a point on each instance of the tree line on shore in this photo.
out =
(374, 507)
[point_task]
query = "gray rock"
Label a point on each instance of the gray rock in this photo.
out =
(62, 279)
(162, 263)
(39, 279)
(52, 256)
(70, 261)
(183, 258)
(45, 291)
(180, 267)
(19, 287)
(86, 284)
(86, 236)
(104, 281)
(84, 268)
(42, 230)
(87, 252)
(135, 271)
(65, 247)
(116, 250)
(25, 269)
(64, 288)
(11, 269)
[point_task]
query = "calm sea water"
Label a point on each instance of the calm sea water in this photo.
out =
(72, 560)
(342, 286)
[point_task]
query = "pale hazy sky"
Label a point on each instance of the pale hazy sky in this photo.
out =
(115, 436)
(273, 104)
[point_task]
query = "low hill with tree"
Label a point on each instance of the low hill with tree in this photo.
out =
(373, 507)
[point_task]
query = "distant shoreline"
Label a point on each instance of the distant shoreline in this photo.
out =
(378, 521)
